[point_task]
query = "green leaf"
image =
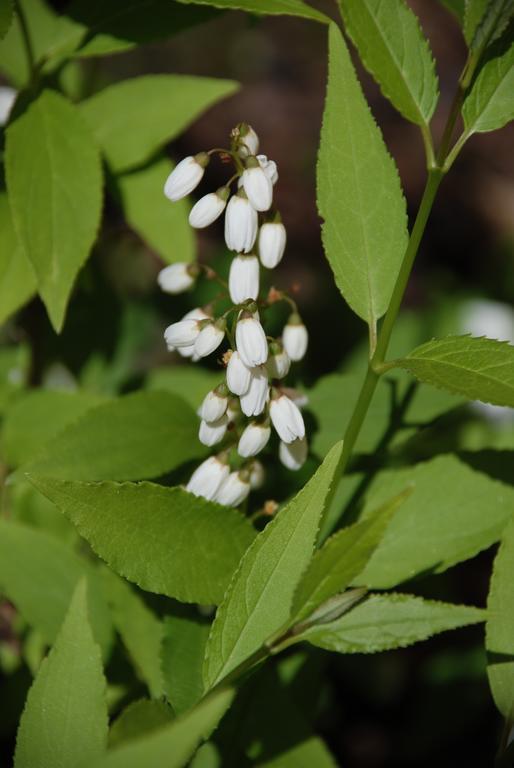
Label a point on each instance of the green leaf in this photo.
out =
(17, 281)
(171, 103)
(182, 656)
(64, 723)
(500, 626)
(42, 589)
(490, 103)
(172, 745)
(139, 628)
(14, 371)
(341, 559)
(268, 7)
(164, 539)
(359, 194)
(392, 48)
(478, 368)
(457, 7)
(37, 417)
(29, 507)
(164, 227)
(258, 600)
(140, 435)
(473, 13)
(190, 382)
(138, 719)
(383, 622)
(485, 21)
(310, 752)
(452, 514)
(54, 180)
(6, 16)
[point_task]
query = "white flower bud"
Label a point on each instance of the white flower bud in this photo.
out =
(234, 490)
(295, 338)
(254, 401)
(240, 224)
(243, 281)
(210, 337)
(214, 404)
(251, 340)
(207, 478)
(272, 243)
(182, 334)
(249, 143)
(258, 186)
(293, 455)
(286, 418)
(185, 176)
(253, 439)
(238, 375)
(208, 208)
(257, 475)
(177, 278)
(212, 432)
(269, 167)
(278, 362)
(7, 99)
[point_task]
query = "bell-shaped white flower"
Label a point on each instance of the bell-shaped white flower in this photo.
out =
(243, 280)
(251, 340)
(210, 337)
(254, 401)
(257, 185)
(238, 375)
(278, 361)
(208, 208)
(293, 455)
(207, 478)
(257, 475)
(177, 278)
(212, 432)
(182, 334)
(272, 243)
(286, 418)
(240, 224)
(253, 439)
(269, 167)
(214, 404)
(185, 176)
(8, 97)
(248, 140)
(234, 490)
(295, 338)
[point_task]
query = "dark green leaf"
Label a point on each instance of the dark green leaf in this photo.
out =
(164, 539)
(6, 15)
(140, 718)
(359, 194)
(17, 281)
(473, 13)
(190, 382)
(490, 103)
(485, 21)
(64, 723)
(182, 657)
(54, 181)
(273, 7)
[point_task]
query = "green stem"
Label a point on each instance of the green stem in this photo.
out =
(27, 42)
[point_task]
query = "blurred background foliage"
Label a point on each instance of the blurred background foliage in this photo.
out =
(424, 705)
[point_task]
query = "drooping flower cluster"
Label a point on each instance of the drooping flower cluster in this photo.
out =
(239, 413)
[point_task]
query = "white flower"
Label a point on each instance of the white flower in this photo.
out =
(177, 277)
(214, 404)
(210, 337)
(269, 167)
(253, 439)
(295, 338)
(254, 401)
(208, 208)
(234, 490)
(189, 352)
(212, 432)
(243, 281)
(257, 475)
(207, 478)
(240, 224)
(249, 141)
(7, 99)
(278, 362)
(257, 185)
(182, 334)
(286, 418)
(233, 410)
(238, 375)
(293, 455)
(272, 243)
(251, 340)
(185, 176)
